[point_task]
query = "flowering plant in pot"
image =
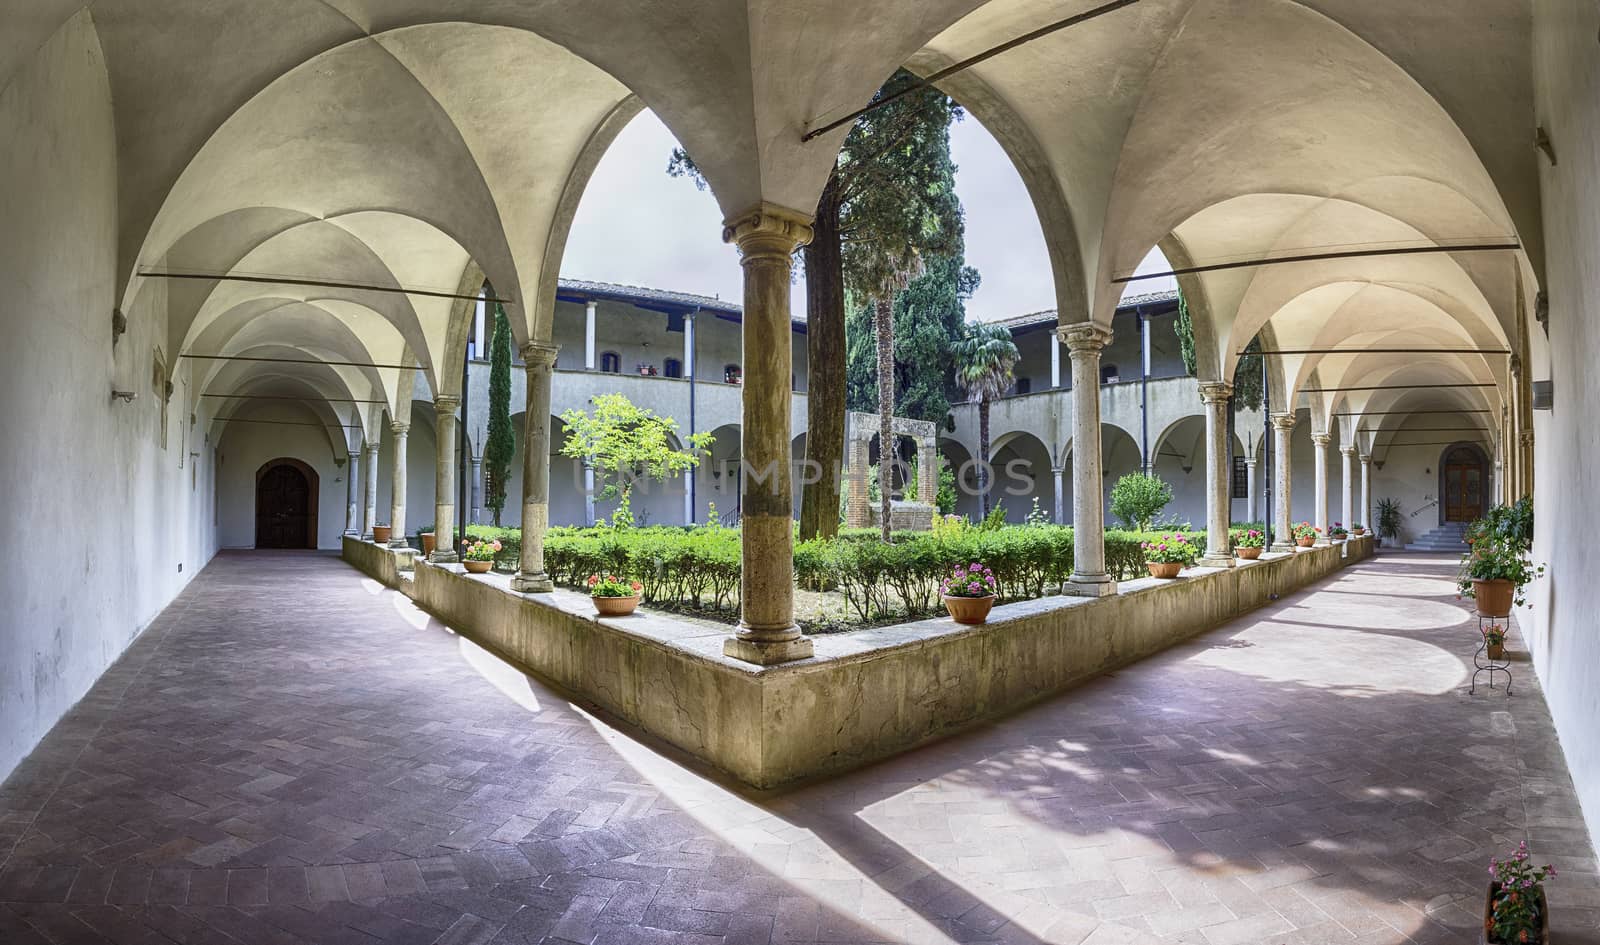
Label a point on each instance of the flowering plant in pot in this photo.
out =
(1494, 641)
(969, 592)
(381, 534)
(1494, 573)
(1305, 534)
(1248, 542)
(614, 596)
(1337, 532)
(1357, 529)
(1515, 911)
(478, 558)
(1168, 554)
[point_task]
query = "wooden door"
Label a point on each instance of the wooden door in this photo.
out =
(1463, 486)
(283, 509)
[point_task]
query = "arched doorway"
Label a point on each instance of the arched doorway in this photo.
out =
(286, 504)
(1463, 482)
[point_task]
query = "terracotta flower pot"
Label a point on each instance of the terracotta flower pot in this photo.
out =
(1358, 532)
(1494, 597)
(478, 567)
(969, 609)
(381, 534)
(1543, 936)
(1305, 542)
(1495, 651)
(1164, 569)
(1248, 554)
(615, 606)
(427, 543)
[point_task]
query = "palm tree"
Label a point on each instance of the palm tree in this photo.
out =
(894, 272)
(985, 358)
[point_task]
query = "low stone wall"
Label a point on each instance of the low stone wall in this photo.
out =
(866, 694)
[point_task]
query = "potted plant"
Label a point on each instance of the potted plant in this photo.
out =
(380, 534)
(1494, 573)
(1357, 529)
(426, 539)
(1389, 519)
(1168, 554)
(478, 558)
(614, 596)
(1494, 641)
(969, 593)
(1305, 534)
(1337, 532)
(1249, 542)
(1515, 911)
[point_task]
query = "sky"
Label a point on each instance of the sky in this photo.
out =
(638, 226)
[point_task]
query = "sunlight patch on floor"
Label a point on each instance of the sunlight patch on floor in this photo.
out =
(1350, 662)
(509, 680)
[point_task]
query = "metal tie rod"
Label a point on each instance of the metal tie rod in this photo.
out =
(1315, 257)
(317, 283)
(1292, 351)
(331, 400)
(247, 357)
(1340, 390)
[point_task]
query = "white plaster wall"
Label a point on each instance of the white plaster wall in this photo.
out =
(89, 476)
(1559, 626)
(241, 453)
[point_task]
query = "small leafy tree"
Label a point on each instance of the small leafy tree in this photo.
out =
(622, 442)
(500, 445)
(985, 359)
(1138, 498)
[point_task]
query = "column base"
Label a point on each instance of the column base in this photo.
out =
(1283, 548)
(1217, 562)
(524, 583)
(443, 557)
(351, 533)
(399, 544)
(768, 652)
(1085, 585)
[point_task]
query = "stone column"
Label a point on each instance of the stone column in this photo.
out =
(369, 467)
(1366, 494)
(1219, 549)
(1060, 473)
(352, 502)
(444, 480)
(397, 487)
(475, 470)
(767, 236)
(588, 493)
(588, 335)
(1320, 443)
(1250, 489)
(857, 510)
(1282, 537)
(927, 472)
(539, 361)
(1347, 456)
(1055, 363)
(1089, 577)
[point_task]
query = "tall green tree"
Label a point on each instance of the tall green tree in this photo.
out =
(889, 201)
(623, 441)
(985, 359)
(500, 445)
(1247, 379)
(929, 318)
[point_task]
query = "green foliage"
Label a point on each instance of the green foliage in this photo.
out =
(995, 520)
(622, 441)
(985, 358)
(1247, 380)
(1250, 536)
(1170, 548)
(1516, 897)
(500, 445)
(482, 550)
(1388, 518)
(1510, 524)
(1037, 515)
(1185, 329)
(928, 320)
(1498, 546)
(1138, 498)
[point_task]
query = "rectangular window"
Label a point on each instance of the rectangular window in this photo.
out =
(1241, 479)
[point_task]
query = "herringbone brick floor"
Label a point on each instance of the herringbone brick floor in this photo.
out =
(292, 754)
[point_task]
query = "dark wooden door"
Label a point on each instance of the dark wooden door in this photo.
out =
(1463, 486)
(283, 509)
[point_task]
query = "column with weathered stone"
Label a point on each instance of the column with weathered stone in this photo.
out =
(1059, 473)
(475, 470)
(927, 471)
(1219, 552)
(397, 487)
(1347, 468)
(1089, 577)
(857, 511)
(369, 468)
(352, 496)
(444, 480)
(767, 237)
(539, 361)
(1250, 487)
(1282, 535)
(1366, 494)
(1319, 443)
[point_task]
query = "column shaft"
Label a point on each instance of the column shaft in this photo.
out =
(1319, 442)
(539, 360)
(1089, 577)
(1250, 487)
(397, 487)
(1219, 549)
(352, 494)
(589, 336)
(927, 473)
(1347, 455)
(1282, 537)
(1366, 494)
(369, 468)
(475, 470)
(444, 480)
(1059, 473)
(767, 237)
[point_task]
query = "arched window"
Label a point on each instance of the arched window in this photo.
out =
(672, 368)
(611, 362)
(1109, 374)
(733, 374)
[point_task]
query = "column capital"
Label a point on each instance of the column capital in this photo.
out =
(399, 429)
(767, 229)
(1250, 460)
(1215, 392)
(1347, 450)
(372, 448)
(1366, 457)
(1084, 337)
(1322, 439)
(446, 403)
(1283, 421)
(539, 355)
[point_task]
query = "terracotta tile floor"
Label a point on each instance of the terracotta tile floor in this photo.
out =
(292, 754)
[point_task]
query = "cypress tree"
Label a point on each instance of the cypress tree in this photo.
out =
(500, 445)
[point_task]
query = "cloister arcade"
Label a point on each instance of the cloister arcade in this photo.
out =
(300, 201)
